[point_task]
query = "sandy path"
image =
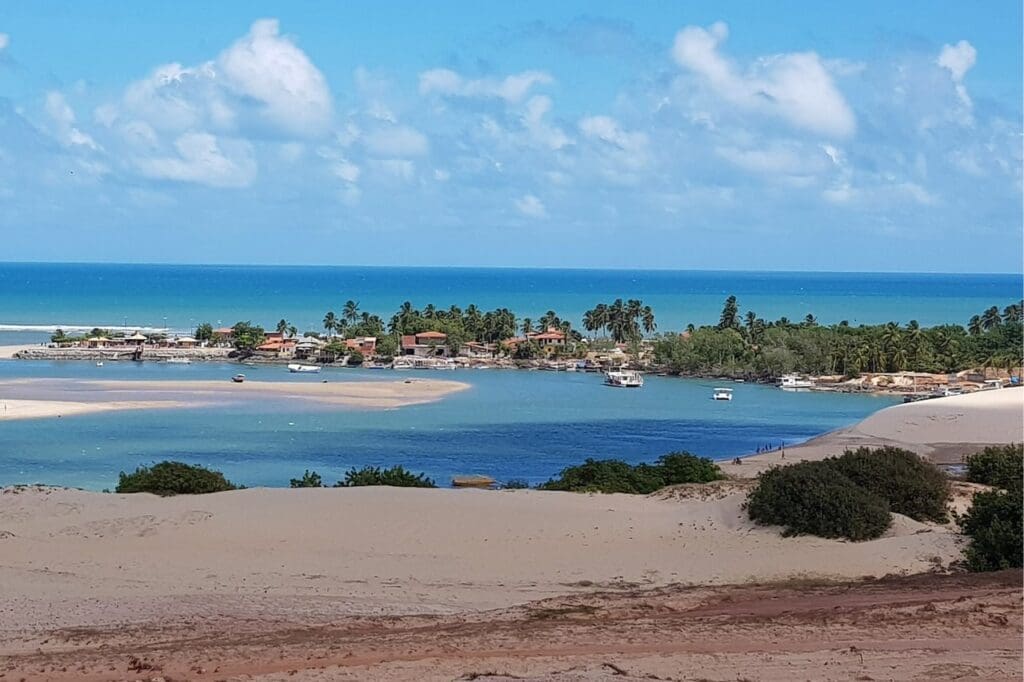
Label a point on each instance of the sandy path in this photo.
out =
(38, 398)
(7, 352)
(926, 627)
(943, 429)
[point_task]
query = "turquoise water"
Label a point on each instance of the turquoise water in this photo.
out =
(509, 424)
(147, 295)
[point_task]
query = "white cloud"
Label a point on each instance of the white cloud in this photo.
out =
(442, 175)
(396, 141)
(402, 169)
(620, 154)
(795, 87)
(512, 88)
(202, 158)
(542, 132)
(268, 68)
(347, 171)
(63, 118)
(530, 205)
(958, 60)
(5, 40)
(778, 159)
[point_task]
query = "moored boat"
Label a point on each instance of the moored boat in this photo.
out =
(238, 378)
(722, 394)
(624, 378)
(303, 369)
(794, 382)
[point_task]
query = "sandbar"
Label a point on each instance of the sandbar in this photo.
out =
(39, 398)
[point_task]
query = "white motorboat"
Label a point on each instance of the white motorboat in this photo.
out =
(303, 369)
(722, 394)
(624, 378)
(794, 382)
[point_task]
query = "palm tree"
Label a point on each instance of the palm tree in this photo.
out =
(527, 326)
(282, 326)
(647, 319)
(750, 318)
(730, 313)
(590, 321)
(810, 321)
(991, 318)
(350, 311)
(1012, 312)
(601, 318)
(330, 323)
(974, 326)
(293, 331)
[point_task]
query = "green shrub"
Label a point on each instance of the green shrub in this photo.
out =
(173, 478)
(909, 484)
(999, 465)
(993, 524)
(608, 476)
(813, 498)
(355, 358)
(682, 467)
(395, 476)
(515, 484)
(310, 479)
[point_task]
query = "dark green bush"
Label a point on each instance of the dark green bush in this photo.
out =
(908, 483)
(608, 476)
(173, 478)
(993, 524)
(999, 465)
(515, 484)
(616, 476)
(355, 358)
(813, 498)
(310, 479)
(682, 467)
(395, 476)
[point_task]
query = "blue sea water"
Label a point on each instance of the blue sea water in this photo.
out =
(509, 424)
(181, 296)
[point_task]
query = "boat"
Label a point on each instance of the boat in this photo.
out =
(179, 361)
(794, 382)
(625, 378)
(722, 394)
(238, 378)
(402, 363)
(473, 481)
(99, 364)
(297, 368)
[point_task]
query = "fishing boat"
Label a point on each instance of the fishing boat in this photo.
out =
(297, 368)
(722, 394)
(794, 382)
(238, 378)
(624, 378)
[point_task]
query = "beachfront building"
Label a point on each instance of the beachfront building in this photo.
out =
(276, 344)
(135, 339)
(425, 344)
(475, 350)
(309, 348)
(367, 345)
(549, 341)
(186, 342)
(223, 336)
(97, 342)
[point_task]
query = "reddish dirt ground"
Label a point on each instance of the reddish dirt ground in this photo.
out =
(925, 627)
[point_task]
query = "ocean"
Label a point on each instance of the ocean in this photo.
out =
(47, 295)
(509, 424)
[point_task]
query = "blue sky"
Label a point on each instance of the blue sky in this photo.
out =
(717, 135)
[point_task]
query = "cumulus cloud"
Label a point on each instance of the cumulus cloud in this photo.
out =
(958, 60)
(62, 117)
(202, 158)
(270, 69)
(5, 40)
(512, 88)
(795, 87)
(531, 206)
(263, 79)
(619, 154)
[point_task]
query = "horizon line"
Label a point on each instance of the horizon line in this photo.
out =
(510, 267)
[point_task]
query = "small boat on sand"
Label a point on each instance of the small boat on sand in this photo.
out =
(475, 481)
(238, 378)
(297, 368)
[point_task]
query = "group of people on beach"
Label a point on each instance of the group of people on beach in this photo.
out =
(769, 448)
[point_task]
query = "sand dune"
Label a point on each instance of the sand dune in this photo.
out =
(943, 429)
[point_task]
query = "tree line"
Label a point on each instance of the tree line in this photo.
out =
(746, 345)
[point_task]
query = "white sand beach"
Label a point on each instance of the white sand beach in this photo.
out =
(943, 429)
(33, 398)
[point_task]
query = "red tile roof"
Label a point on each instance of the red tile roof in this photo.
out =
(431, 335)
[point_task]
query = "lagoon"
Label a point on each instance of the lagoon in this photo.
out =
(509, 424)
